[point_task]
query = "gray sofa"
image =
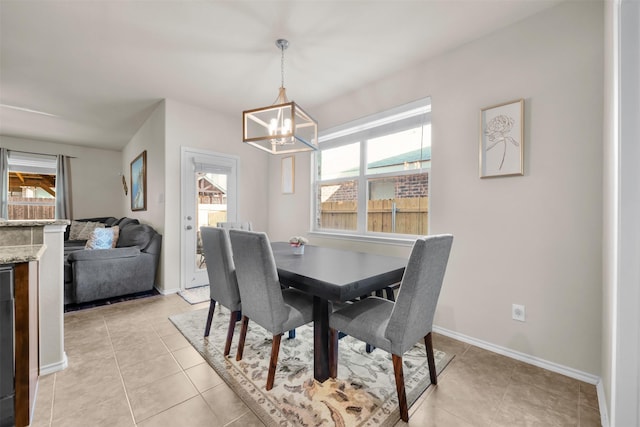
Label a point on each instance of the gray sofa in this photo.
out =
(128, 268)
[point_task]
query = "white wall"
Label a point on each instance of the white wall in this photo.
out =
(150, 137)
(196, 127)
(95, 175)
(534, 240)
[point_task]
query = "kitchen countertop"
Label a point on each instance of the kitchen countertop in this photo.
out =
(16, 254)
(22, 240)
(33, 222)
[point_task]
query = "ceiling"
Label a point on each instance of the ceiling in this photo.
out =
(99, 68)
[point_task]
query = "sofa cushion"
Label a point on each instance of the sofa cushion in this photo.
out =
(103, 238)
(82, 230)
(73, 245)
(125, 221)
(115, 253)
(110, 222)
(76, 228)
(135, 235)
(68, 272)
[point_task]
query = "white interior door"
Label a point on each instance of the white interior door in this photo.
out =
(209, 196)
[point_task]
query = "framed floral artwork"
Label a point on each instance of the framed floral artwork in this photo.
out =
(502, 139)
(139, 182)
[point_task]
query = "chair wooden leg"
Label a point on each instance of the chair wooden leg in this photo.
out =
(230, 329)
(402, 397)
(207, 328)
(428, 343)
(333, 353)
(275, 349)
(243, 335)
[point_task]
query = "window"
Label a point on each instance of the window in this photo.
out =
(372, 174)
(32, 186)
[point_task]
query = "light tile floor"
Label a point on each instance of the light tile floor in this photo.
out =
(129, 366)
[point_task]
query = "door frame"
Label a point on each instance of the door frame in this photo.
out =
(186, 172)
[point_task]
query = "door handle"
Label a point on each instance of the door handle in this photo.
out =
(188, 227)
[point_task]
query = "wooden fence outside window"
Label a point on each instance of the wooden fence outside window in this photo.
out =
(31, 208)
(410, 215)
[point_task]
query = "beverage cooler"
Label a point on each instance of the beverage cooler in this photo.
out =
(7, 348)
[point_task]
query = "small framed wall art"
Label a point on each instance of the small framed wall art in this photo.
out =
(139, 182)
(288, 174)
(502, 139)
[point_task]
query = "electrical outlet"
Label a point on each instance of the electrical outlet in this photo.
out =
(517, 312)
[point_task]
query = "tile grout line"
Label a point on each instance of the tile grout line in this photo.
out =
(115, 357)
(207, 403)
(53, 399)
(579, 411)
(504, 395)
(189, 378)
(243, 414)
(182, 370)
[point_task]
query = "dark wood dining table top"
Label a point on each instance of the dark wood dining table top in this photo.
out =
(336, 274)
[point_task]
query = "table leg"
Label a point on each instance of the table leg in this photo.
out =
(320, 339)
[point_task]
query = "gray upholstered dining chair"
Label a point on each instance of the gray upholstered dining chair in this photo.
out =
(223, 287)
(226, 225)
(236, 225)
(397, 326)
(263, 300)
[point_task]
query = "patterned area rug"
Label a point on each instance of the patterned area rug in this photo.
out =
(364, 393)
(196, 295)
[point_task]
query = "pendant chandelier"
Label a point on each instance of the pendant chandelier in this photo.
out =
(283, 127)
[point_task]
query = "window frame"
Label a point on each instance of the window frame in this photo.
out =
(30, 163)
(362, 130)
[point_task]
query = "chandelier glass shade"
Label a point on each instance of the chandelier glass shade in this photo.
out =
(283, 127)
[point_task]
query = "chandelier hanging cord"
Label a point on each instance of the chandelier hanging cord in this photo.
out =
(282, 94)
(282, 66)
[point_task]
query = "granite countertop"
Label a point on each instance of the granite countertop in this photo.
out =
(33, 222)
(25, 253)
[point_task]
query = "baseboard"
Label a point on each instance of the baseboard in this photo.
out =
(602, 405)
(541, 363)
(167, 291)
(55, 367)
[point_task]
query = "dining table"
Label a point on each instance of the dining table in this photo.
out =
(333, 276)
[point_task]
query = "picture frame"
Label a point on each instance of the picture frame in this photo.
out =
(502, 139)
(139, 182)
(288, 174)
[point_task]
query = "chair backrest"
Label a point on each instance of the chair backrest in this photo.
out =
(223, 286)
(236, 225)
(262, 300)
(412, 315)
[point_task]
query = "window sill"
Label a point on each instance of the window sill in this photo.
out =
(395, 241)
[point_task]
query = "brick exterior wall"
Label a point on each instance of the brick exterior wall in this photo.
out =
(410, 186)
(406, 187)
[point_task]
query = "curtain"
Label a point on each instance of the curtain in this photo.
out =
(4, 183)
(63, 188)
